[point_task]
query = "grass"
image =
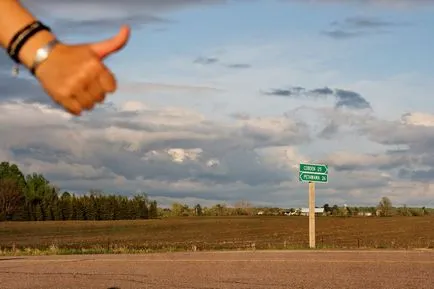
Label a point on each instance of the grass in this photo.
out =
(213, 233)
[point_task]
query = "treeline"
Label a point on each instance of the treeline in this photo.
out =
(379, 210)
(34, 198)
(244, 208)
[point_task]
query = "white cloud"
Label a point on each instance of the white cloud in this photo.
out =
(180, 155)
(418, 118)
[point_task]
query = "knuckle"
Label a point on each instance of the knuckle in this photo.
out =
(92, 65)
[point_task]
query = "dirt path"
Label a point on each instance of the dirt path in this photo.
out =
(244, 270)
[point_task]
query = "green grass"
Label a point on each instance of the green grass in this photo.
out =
(213, 233)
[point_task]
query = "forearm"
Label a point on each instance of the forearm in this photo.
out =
(13, 17)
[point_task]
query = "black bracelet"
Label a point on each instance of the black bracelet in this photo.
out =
(22, 36)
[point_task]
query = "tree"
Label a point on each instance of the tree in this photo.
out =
(153, 210)
(178, 209)
(327, 209)
(198, 210)
(335, 210)
(243, 208)
(11, 198)
(11, 171)
(218, 210)
(65, 206)
(141, 206)
(385, 207)
(39, 194)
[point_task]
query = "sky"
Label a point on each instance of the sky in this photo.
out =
(219, 101)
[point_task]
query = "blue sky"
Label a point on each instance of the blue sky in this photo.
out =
(293, 33)
(219, 101)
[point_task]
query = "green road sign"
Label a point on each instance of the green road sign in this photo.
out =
(314, 178)
(314, 168)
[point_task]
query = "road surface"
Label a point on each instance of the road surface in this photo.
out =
(243, 270)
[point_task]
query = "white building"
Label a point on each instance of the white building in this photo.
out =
(305, 211)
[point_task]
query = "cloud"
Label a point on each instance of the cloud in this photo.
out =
(322, 91)
(293, 91)
(350, 161)
(239, 65)
(206, 60)
(407, 145)
(138, 147)
(363, 22)
(329, 130)
(344, 98)
(341, 34)
(214, 60)
(357, 26)
(350, 99)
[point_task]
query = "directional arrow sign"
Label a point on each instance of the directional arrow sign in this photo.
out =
(314, 168)
(314, 178)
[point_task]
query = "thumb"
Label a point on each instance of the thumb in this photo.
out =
(106, 47)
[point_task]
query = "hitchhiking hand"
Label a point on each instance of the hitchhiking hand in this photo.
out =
(75, 76)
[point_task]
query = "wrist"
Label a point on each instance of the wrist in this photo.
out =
(28, 52)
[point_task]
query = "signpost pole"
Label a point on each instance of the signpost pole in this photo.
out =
(312, 215)
(313, 173)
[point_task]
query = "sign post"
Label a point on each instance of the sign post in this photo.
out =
(312, 173)
(312, 215)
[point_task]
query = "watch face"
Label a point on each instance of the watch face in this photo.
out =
(43, 53)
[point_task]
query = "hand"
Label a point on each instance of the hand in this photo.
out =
(75, 76)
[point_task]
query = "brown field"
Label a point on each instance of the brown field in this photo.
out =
(211, 233)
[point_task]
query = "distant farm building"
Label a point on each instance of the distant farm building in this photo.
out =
(305, 211)
(365, 214)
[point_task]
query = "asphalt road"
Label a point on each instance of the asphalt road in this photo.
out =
(249, 270)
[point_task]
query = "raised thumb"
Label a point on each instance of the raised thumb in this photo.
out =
(117, 42)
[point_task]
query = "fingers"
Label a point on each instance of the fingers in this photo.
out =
(95, 91)
(72, 106)
(85, 98)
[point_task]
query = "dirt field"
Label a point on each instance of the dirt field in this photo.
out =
(210, 233)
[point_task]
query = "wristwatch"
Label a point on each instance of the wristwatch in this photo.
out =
(42, 54)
